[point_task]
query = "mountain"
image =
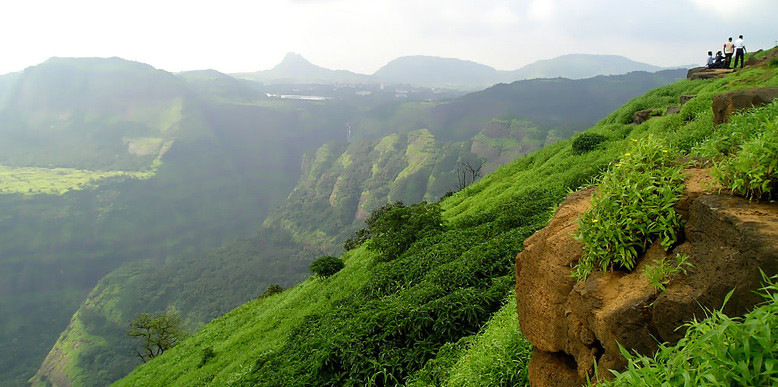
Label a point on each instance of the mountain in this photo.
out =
(457, 74)
(579, 66)
(108, 162)
(296, 69)
(428, 299)
(437, 72)
(250, 152)
(342, 183)
(220, 86)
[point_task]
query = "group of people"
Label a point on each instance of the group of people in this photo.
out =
(738, 48)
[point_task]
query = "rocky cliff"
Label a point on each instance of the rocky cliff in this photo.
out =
(576, 327)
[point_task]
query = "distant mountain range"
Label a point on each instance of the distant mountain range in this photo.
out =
(430, 71)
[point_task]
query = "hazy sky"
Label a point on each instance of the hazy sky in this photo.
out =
(363, 35)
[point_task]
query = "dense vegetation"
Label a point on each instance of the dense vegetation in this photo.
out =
(433, 313)
(143, 170)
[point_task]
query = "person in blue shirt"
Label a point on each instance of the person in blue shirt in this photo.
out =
(710, 60)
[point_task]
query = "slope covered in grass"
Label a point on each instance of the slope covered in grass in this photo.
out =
(434, 313)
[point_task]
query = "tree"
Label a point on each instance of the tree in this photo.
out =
(468, 173)
(326, 266)
(157, 333)
(271, 290)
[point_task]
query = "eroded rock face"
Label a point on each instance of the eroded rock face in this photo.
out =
(706, 73)
(573, 325)
(726, 104)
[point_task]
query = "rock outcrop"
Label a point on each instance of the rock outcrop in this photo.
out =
(642, 116)
(706, 73)
(726, 104)
(575, 325)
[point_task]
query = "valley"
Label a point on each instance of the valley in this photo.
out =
(114, 197)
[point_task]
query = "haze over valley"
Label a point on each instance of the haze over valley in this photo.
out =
(331, 192)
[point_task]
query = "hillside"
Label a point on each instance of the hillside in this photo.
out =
(434, 311)
(437, 72)
(342, 183)
(579, 66)
(265, 140)
(105, 162)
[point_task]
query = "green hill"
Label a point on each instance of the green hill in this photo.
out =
(127, 235)
(578, 66)
(105, 162)
(426, 301)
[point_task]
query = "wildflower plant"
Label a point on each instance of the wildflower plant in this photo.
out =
(659, 274)
(634, 207)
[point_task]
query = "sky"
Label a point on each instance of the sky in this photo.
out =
(364, 35)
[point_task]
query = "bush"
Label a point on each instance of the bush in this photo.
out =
(633, 208)
(752, 173)
(327, 266)
(362, 235)
(271, 290)
(207, 354)
(746, 153)
(587, 142)
(398, 228)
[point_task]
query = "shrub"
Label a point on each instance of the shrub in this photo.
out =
(399, 227)
(271, 290)
(747, 150)
(207, 354)
(362, 235)
(326, 266)
(633, 208)
(659, 275)
(752, 173)
(587, 142)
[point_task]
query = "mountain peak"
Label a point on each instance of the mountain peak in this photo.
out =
(294, 62)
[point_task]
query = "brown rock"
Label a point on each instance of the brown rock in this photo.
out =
(728, 240)
(546, 259)
(548, 369)
(673, 110)
(642, 116)
(706, 73)
(751, 61)
(574, 326)
(686, 98)
(726, 104)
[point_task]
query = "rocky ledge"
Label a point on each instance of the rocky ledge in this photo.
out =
(577, 326)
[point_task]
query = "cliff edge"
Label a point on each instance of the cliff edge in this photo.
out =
(576, 327)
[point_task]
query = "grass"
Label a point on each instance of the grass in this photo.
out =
(57, 181)
(401, 322)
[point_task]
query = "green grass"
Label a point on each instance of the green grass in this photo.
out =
(57, 181)
(436, 314)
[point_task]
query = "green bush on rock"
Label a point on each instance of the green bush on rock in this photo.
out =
(633, 208)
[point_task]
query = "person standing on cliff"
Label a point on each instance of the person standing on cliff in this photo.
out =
(729, 49)
(740, 51)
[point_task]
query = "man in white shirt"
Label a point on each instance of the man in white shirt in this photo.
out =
(740, 51)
